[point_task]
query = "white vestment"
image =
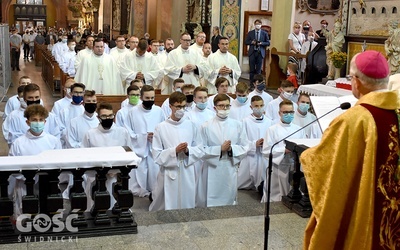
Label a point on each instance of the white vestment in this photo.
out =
(82, 54)
(77, 129)
(16, 125)
(122, 115)
(58, 50)
(65, 59)
(132, 63)
(161, 59)
(240, 110)
(272, 110)
(12, 104)
(216, 61)
(264, 95)
(199, 117)
(177, 59)
(176, 188)
(252, 168)
(100, 137)
(312, 131)
(220, 169)
(139, 123)
(65, 117)
(60, 105)
(118, 53)
(282, 162)
(205, 82)
(27, 144)
(100, 73)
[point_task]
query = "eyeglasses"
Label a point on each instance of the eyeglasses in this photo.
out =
(349, 77)
(287, 112)
(103, 117)
(222, 106)
(135, 95)
(179, 106)
(186, 40)
(201, 37)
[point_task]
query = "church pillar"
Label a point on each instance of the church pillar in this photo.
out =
(281, 27)
(124, 17)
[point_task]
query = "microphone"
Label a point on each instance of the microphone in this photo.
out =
(343, 106)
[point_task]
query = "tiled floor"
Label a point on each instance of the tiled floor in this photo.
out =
(231, 227)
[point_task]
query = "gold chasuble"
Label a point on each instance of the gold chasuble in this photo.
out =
(353, 178)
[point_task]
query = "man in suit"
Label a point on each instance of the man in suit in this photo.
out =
(258, 40)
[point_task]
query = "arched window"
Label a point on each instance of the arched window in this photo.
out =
(394, 10)
(373, 10)
(383, 10)
(363, 11)
(354, 11)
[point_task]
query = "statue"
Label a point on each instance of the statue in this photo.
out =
(334, 43)
(392, 48)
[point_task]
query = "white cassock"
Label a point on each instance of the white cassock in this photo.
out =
(77, 129)
(220, 169)
(132, 63)
(100, 73)
(81, 54)
(240, 110)
(272, 110)
(198, 117)
(27, 144)
(65, 117)
(118, 53)
(264, 95)
(12, 104)
(65, 59)
(60, 105)
(313, 131)
(179, 58)
(204, 81)
(100, 137)
(197, 48)
(161, 59)
(70, 70)
(176, 188)
(58, 50)
(252, 168)
(141, 121)
(282, 162)
(121, 116)
(216, 61)
(16, 125)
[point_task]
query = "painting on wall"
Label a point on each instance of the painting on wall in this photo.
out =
(230, 24)
(324, 7)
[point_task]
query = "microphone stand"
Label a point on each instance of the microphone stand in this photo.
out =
(344, 105)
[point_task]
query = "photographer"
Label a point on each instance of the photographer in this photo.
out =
(257, 40)
(308, 30)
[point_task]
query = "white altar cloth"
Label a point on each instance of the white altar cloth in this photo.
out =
(323, 90)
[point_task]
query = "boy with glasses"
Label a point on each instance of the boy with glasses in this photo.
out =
(282, 157)
(225, 143)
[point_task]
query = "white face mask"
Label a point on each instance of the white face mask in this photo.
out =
(179, 113)
(223, 113)
(258, 26)
(258, 111)
(287, 95)
(23, 103)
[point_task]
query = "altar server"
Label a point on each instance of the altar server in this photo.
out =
(241, 105)
(14, 102)
(133, 93)
(282, 158)
(286, 92)
(141, 124)
(66, 100)
(302, 117)
(176, 147)
(225, 143)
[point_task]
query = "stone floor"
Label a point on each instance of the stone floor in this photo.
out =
(230, 227)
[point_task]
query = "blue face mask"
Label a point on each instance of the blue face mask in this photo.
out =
(287, 118)
(261, 87)
(242, 99)
(77, 99)
(161, 48)
(37, 127)
(201, 105)
(304, 107)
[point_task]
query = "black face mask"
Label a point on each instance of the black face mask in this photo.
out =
(33, 102)
(90, 107)
(189, 98)
(106, 123)
(147, 104)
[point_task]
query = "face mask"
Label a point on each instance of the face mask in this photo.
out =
(77, 99)
(223, 113)
(134, 100)
(261, 87)
(147, 104)
(32, 102)
(258, 111)
(90, 107)
(201, 105)
(64, 40)
(258, 26)
(106, 123)
(178, 90)
(23, 103)
(161, 48)
(72, 47)
(242, 99)
(304, 107)
(287, 72)
(287, 95)
(37, 127)
(287, 118)
(189, 98)
(324, 26)
(179, 113)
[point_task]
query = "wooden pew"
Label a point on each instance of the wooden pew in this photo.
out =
(51, 72)
(276, 73)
